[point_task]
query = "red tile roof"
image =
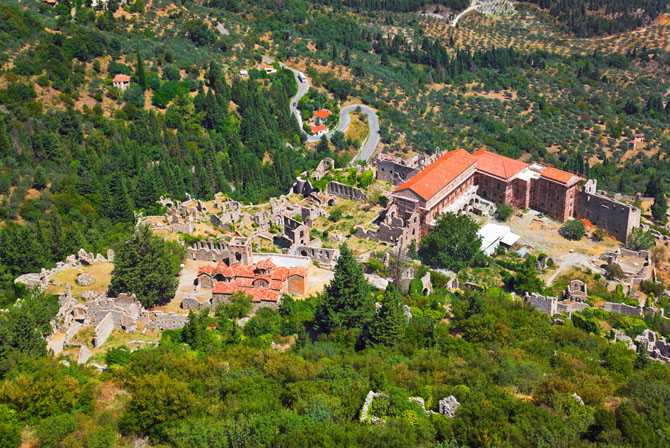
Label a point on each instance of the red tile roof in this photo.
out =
(497, 165)
(560, 176)
(322, 114)
(317, 129)
(438, 174)
(121, 78)
(257, 294)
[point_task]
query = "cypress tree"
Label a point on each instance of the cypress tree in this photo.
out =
(388, 326)
(121, 209)
(660, 207)
(346, 302)
(141, 75)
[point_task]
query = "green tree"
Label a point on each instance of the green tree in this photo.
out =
(526, 278)
(141, 74)
(158, 402)
(573, 229)
(453, 244)
(640, 240)
(660, 207)
(347, 302)
(503, 211)
(121, 209)
(388, 325)
(147, 265)
(194, 332)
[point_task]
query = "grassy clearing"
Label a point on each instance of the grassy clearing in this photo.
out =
(101, 272)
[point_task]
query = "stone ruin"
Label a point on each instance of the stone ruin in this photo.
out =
(364, 417)
(551, 306)
(106, 314)
(396, 170)
(636, 265)
(236, 251)
(41, 279)
(85, 279)
(347, 192)
(576, 291)
(657, 347)
(325, 165)
(448, 406)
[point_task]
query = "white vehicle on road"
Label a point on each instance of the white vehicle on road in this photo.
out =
(301, 77)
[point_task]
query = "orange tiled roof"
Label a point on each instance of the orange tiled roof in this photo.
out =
(121, 78)
(559, 175)
(298, 270)
(316, 129)
(258, 295)
(497, 165)
(438, 174)
(322, 114)
(265, 264)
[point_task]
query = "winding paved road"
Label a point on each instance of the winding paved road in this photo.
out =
(367, 147)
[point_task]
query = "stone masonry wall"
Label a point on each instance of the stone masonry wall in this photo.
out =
(622, 308)
(103, 330)
(617, 218)
(346, 192)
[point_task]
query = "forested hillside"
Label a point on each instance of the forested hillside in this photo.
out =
(80, 157)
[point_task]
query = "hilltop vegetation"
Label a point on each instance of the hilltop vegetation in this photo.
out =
(78, 158)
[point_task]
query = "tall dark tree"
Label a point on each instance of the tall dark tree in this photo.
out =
(121, 209)
(653, 186)
(147, 265)
(141, 75)
(389, 323)
(660, 207)
(347, 302)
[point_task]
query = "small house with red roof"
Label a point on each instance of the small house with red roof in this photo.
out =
(121, 81)
(318, 129)
(320, 117)
(269, 69)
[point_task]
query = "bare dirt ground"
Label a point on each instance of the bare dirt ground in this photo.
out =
(542, 235)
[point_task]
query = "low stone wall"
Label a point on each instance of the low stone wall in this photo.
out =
(164, 321)
(622, 308)
(571, 307)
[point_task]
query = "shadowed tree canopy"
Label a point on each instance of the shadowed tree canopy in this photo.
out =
(388, 326)
(147, 265)
(347, 302)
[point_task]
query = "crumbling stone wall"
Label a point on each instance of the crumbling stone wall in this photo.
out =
(543, 304)
(657, 347)
(393, 171)
(571, 307)
(622, 308)
(616, 217)
(238, 250)
(167, 321)
(103, 329)
(324, 166)
(576, 291)
(320, 254)
(345, 191)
